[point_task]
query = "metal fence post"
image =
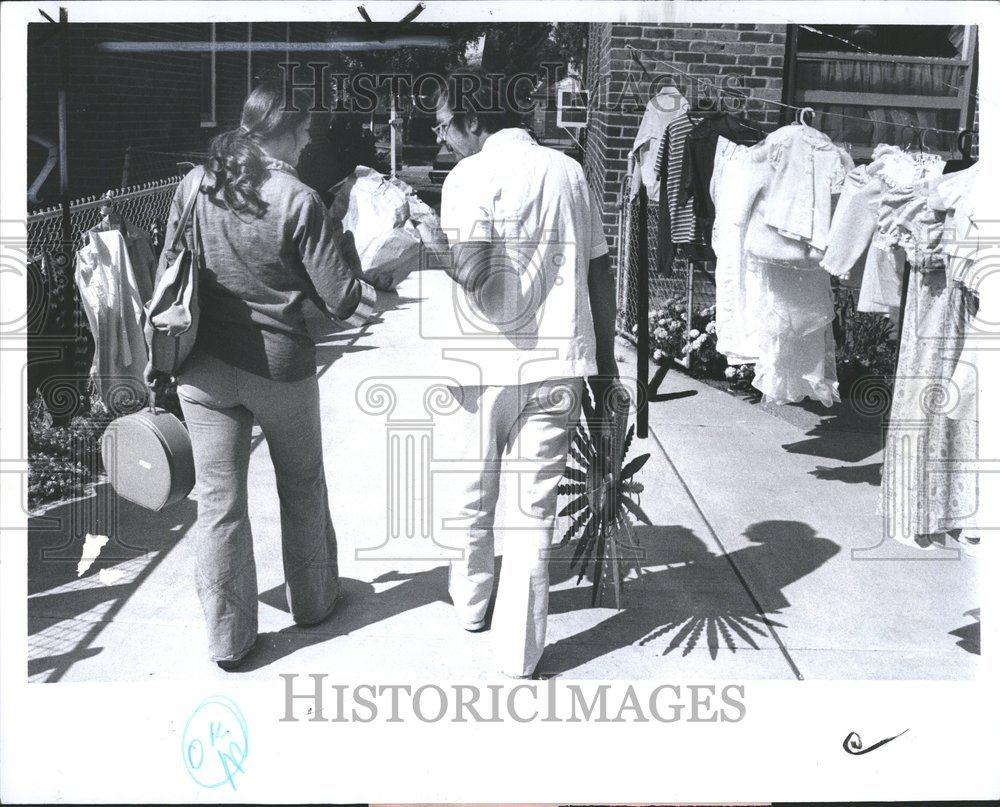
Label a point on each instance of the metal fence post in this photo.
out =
(686, 361)
(68, 301)
(642, 321)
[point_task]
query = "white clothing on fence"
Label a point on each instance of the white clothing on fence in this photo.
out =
(853, 226)
(891, 170)
(965, 237)
(110, 295)
(809, 170)
(797, 348)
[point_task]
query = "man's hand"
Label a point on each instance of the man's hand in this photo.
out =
(610, 397)
(601, 290)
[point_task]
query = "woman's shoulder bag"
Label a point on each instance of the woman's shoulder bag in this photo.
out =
(172, 312)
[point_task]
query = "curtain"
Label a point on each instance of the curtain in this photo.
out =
(901, 76)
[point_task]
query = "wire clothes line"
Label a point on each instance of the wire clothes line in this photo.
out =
(637, 55)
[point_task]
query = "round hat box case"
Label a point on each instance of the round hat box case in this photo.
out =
(148, 458)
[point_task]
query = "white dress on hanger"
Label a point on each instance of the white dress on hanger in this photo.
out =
(735, 183)
(926, 486)
(786, 236)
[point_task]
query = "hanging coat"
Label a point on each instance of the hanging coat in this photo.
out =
(109, 293)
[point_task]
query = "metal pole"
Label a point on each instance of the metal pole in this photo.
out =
(66, 229)
(126, 167)
(686, 361)
(64, 200)
(642, 320)
(392, 134)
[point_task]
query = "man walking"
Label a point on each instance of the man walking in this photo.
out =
(530, 258)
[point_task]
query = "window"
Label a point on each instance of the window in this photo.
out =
(571, 109)
(889, 76)
(208, 76)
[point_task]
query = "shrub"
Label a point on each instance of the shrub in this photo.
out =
(740, 377)
(63, 459)
(868, 345)
(673, 337)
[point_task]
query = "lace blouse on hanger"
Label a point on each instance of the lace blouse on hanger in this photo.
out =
(860, 212)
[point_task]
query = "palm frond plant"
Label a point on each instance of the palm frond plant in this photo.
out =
(601, 490)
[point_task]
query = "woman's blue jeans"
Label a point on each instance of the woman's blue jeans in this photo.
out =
(220, 403)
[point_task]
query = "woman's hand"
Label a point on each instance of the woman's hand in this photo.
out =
(156, 380)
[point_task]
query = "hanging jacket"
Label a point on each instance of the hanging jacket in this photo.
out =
(808, 171)
(139, 245)
(663, 108)
(699, 161)
(111, 300)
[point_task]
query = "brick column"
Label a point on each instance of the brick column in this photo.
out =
(619, 90)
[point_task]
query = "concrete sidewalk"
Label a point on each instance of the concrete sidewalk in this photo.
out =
(764, 561)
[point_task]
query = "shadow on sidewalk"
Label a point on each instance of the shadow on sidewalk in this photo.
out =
(691, 598)
(969, 635)
(687, 594)
(870, 474)
(139, 541)
(346, 338)
(842, 434)
(358, 606)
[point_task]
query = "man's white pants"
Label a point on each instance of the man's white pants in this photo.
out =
(523, 433)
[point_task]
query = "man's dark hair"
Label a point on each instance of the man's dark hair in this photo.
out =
(498, 101)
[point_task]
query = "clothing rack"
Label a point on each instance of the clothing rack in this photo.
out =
(643, 390)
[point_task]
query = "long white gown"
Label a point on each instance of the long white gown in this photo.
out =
(737, 291)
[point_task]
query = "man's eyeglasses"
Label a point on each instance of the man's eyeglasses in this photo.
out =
(441, 130)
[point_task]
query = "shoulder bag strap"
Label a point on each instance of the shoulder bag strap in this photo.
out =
(186, 214)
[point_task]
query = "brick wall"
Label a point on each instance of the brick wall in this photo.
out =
(754, 53)
(602, 172)
(149, 101)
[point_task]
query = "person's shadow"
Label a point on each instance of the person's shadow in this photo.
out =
(686, 593)
(358, 606)
(689, 598)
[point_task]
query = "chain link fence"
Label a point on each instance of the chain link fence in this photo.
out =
(144, 205)
(690, 282)
(60, 345)
(145, 165)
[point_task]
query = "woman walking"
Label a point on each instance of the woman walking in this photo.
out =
(267, 247)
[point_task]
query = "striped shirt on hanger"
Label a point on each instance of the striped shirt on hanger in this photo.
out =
(671, 158)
